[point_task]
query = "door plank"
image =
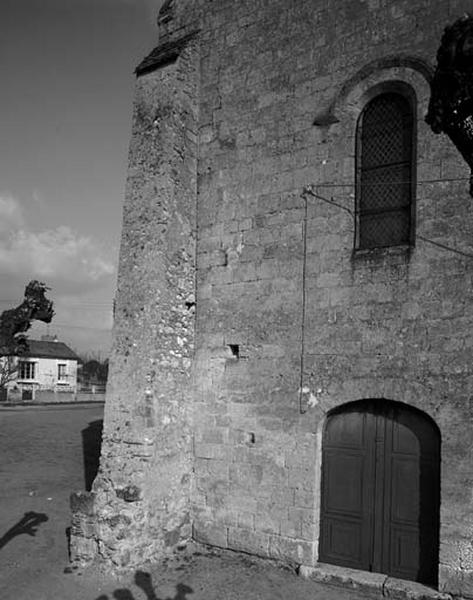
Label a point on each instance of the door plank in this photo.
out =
(411, 510)
(347, 476)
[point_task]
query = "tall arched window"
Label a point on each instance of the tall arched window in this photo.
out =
(385, 173)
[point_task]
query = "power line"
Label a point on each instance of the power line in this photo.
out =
(97, 307)
(64, 326)
(108, 307)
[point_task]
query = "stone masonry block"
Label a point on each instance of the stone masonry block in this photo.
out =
(212, 435)
(298, 552)
(246, 520)
(246, 476)
(291, 528)
(210, 533)
(246, 540)
(305, 516)
(304, 498)
(241, 501)
(83, 550)
(215, 451)
(302, 479)
(275, 495)
(269, 518)
(399, 589)
(212, 467)
(82, 503)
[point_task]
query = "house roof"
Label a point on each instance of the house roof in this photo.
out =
(49, 349)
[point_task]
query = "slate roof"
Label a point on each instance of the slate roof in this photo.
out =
(164, 54)
(47, 349)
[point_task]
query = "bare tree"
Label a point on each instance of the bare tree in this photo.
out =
(8, 371)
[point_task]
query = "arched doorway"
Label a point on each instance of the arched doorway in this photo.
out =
(381, 490)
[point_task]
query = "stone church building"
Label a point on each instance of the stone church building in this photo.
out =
(292, 364)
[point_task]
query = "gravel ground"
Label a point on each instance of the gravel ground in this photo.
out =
(42, 450)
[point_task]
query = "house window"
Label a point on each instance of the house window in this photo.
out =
(61, 371)
(385, 172)
(26, 370)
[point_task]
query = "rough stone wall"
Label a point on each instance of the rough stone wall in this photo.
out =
(139, 507)
(290, 322)
(392, 324)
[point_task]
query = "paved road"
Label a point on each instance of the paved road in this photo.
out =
(42, 461)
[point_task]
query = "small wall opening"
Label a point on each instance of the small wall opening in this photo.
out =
(235, 350)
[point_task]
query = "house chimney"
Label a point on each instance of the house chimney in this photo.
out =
(49, 338)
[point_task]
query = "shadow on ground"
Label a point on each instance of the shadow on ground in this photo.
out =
(143, 581)
(27, 525)
(91, 444)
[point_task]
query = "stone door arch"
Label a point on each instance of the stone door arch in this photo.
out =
(381, 490)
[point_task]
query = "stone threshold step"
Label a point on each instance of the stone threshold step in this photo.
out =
(374, 584)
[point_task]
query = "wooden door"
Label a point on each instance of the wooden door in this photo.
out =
(381, 490)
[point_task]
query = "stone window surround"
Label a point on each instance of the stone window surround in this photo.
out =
(407, 92)
(341, 117)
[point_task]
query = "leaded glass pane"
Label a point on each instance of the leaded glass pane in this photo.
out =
(384, 183)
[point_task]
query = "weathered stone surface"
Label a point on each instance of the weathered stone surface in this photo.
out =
(409, 590)
(82, 503)
(131, 493)
(208, 533)
(220, 382)
(147, 440)
(372, 584)
(369, 583)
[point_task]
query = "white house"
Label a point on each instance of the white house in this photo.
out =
(48, 366)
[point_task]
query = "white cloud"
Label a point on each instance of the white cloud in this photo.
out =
(11, 214)
(78, 268)
(59, 255)
(38, 200)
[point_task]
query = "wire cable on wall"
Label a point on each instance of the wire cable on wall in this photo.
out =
(303, 410)
(309, 191)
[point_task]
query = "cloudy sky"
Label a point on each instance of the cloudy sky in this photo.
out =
(66, 72)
